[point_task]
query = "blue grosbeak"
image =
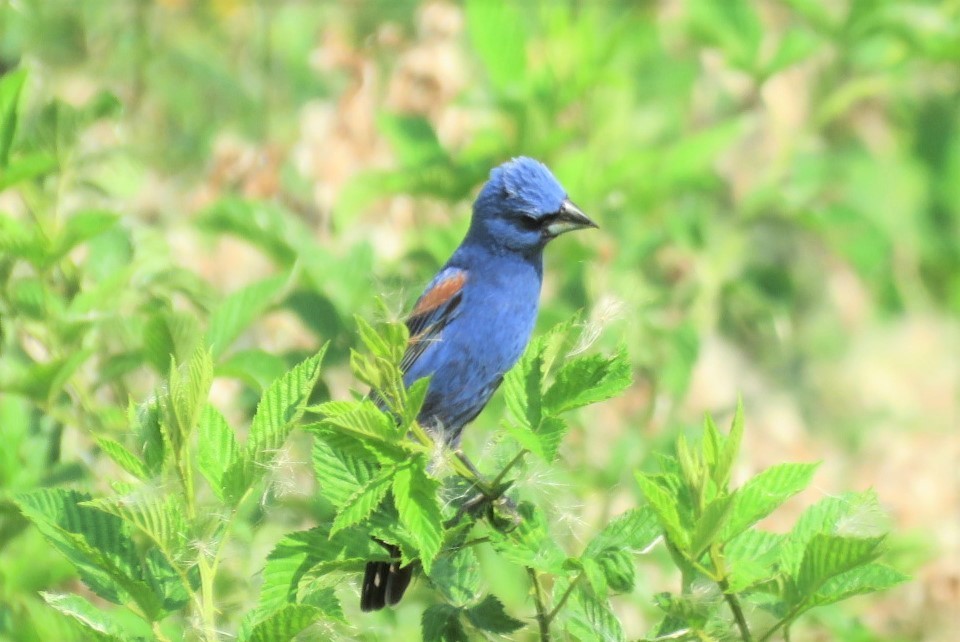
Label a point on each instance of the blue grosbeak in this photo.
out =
(475, 317)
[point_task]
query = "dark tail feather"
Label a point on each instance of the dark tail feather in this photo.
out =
(384, 582)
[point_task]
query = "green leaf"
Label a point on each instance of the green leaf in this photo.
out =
(79, 228)
(618, 570)
(145, 420)
(827, 556)
(415, 496)
(123, 457)
(712, 447)
(416, 395)
(456, 574)
(634, 530)
(489, 615)
(280, 408)
(531, 544)
(238, 310)
(256, 368)
(313, 551)
(857, 514)
(522, 387)
(360, 419)
(389, 343)
(218, 452)
(591, 617)
(731, 448)
(497, 32)
(186, 398)
(27, 167)
(751, 558)
(95, 542)
(665, 506)
(167, 334)
(551, 432)
(342, 466)
(587, 380)
(713, 519)
(284, 624)
(868, 578)
(11, 85)
(363, 502)
(732, 25)
(441, 623)
(103, 625)
(264, 225)
(412, 139)
(764, 493)
(160, 517)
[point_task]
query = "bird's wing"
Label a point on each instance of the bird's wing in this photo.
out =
(434, 310)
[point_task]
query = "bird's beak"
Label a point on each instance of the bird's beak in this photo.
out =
(569, 218)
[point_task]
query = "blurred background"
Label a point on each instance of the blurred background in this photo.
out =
(777, 185)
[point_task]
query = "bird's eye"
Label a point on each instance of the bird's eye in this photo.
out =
(529, 223)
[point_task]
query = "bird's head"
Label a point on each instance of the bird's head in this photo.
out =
(522, 207)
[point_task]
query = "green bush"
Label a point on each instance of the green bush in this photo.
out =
(141, 502)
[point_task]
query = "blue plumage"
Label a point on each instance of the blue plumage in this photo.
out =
(475, 317)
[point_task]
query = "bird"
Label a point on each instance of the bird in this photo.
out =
(476, 316)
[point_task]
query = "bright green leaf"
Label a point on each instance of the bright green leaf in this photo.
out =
(280, 408)
(489, 615)
(11, 85)
(123, 457)
(415, 495)
(827, 556)
(762, 494)
(665, 507)
(587, 380)
(364, 501)
(284, 624)
(217, 452)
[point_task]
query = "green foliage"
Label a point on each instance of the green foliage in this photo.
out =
(778, 188)
(709, 530)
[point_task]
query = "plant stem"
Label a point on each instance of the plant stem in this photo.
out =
(513, 462)
(563, 598)
(785, 622)
(158, 632)
(734, 603)
(208, 609)
(720, 575)
(543, 619)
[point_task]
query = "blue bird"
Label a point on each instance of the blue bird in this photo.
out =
(474, 319)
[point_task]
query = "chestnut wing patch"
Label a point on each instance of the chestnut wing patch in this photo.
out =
(436, 308)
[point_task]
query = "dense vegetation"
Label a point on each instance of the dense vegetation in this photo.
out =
(213, 215)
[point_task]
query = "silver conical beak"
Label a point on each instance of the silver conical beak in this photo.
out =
(568, 219)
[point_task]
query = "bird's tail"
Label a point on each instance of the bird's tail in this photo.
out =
(384, 582)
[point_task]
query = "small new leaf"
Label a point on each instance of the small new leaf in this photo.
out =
(731, 448)
(218, 451)
(665, 506)
(123, 457)
(712, 519)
